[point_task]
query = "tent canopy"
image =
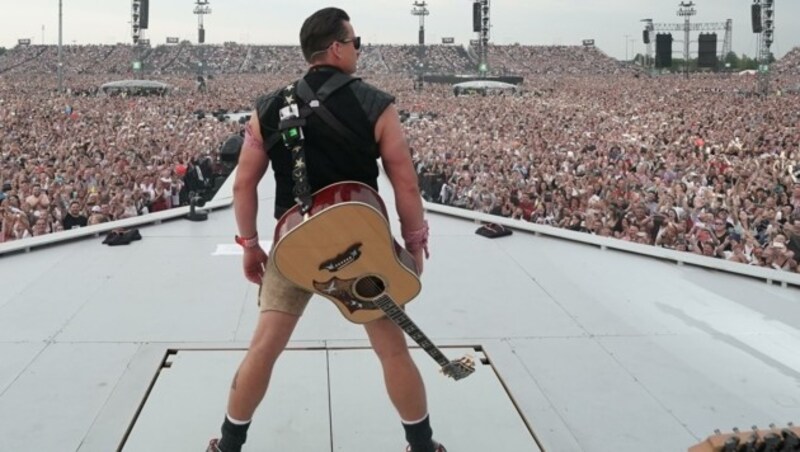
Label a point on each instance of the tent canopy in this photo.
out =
(135, 87)
(484, 87)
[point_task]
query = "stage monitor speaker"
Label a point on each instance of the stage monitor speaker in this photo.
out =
(756, 17)
(201, 35)
(646, 36)
(476, 17)
(493, 231)
(144, 11)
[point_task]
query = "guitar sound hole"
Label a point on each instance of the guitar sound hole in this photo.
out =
(370, 287)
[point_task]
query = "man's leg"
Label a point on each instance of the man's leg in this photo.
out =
(403, 382)
(252, 379)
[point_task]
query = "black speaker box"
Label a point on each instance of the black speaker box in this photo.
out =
(755, 14)
(144, 13)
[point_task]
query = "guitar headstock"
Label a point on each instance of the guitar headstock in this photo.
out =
(772, 439)
(460, 368)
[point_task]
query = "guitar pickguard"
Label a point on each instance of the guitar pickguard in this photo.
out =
(343, 260)
(342, 290)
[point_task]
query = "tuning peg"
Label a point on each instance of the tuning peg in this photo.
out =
(751, 444)
(790, 440)
(731, 444)
(771, 442)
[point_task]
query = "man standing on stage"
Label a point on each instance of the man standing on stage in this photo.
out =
(331, 47)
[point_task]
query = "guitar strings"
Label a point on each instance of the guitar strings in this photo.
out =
(432, 348)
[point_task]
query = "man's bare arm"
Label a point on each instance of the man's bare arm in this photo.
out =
(400, 169)
(253, 163)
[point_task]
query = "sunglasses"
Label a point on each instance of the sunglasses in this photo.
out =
(356, 42)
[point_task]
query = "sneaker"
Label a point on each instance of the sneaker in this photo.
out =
(439, 448)
(212, 446)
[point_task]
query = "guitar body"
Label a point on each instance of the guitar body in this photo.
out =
(344, 250)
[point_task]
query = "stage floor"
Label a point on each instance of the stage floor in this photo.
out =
(321, 399)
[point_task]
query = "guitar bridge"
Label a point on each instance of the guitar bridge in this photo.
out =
(342, 260)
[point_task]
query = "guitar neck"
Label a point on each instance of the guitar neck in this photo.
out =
(399, 317)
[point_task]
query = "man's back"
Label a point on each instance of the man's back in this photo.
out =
(330, 156)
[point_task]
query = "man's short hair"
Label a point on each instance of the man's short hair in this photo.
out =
(322, 29)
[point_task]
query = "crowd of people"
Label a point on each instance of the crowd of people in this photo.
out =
(552, 60)
(696, 165)
(789, 64)
(232, 58)
(693, 166)
(69, 161)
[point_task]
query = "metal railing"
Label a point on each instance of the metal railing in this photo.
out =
(769, 275)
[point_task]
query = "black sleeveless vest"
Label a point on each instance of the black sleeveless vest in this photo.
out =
(330, 158)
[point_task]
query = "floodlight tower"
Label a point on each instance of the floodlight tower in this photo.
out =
(60, 52)
(686, 11)
(201, 9)
(420, 10)
(483, 27)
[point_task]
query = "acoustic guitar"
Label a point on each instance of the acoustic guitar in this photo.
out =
(343, 249)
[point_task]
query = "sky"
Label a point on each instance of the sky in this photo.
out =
(535, 22)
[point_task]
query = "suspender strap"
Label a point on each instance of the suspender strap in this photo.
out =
(315, 102)
(291, 129)
(337, 81)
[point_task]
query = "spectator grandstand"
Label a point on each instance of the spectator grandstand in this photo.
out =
(789, 64)
(232, 58)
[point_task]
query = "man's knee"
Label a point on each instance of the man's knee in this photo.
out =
(392, 350)
(272, 336)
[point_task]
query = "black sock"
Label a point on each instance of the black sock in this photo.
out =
(233, 436)
(420, 436)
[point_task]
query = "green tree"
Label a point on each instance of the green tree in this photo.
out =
(2, 51)
(732, 59)
(746, 63)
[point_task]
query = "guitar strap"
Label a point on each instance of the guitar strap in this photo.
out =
(292, 120)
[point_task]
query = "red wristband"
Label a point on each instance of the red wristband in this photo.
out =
(418, 240)
(252, 242)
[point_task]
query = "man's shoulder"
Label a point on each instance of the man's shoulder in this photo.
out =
(373, 99)
(362, 88)
(265, 101)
